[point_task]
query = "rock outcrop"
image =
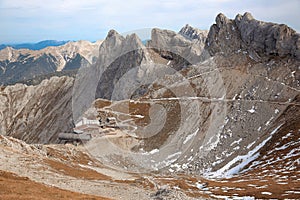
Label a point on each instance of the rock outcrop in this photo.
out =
(248, 34)
(36, 114)
(188, 43)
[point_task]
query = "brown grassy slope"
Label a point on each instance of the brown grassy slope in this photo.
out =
(13, 187)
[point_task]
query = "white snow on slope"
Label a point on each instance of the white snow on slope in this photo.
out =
(252, 110)
(189, 137)
(236, 142)
(250, 145)
(230, 168)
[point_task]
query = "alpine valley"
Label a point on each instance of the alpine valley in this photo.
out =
(193, 114)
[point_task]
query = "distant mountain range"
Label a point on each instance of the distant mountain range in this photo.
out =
(19, 65)
(34, 46)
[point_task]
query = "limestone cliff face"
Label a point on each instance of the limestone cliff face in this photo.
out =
(121, 55)
(117, 55)
(188, 43)
(36, 114)
(248, 34)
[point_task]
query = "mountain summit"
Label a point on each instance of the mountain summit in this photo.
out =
(259, 38)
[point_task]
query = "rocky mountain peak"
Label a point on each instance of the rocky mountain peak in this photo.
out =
(133, 39)
(221, 20)
(116, 43)
(118, 55)
(257, 37)
(6, 53)
(192, 33)
(238, 17)
(248, 16)
(112, 39)
(112, 33)
(168, 40)
(158, 34)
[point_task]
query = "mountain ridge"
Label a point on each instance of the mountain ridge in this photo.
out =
(34, 46)
(259, 38)
(19, 65)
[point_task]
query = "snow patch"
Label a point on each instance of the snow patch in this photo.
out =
(266, 193)
(232, 167)
(268, 122)
(250, 145)
(173, 155)
(151, 152)
(233, 98)
(139, 116)
(236, 142)
(189, 137)
(287, 136)
(200, 186)
(252, 110)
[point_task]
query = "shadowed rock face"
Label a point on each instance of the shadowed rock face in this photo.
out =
(36, 114)
(131, 55)
(257, 37)
(127, 55)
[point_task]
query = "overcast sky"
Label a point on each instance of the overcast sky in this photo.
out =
(36, 20)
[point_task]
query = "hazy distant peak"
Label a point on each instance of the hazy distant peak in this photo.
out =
(35, 46)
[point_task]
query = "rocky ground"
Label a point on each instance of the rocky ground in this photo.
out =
(40, 170)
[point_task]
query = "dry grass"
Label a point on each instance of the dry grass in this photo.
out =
(141, 182)
(14, 187)
(75, 171)
(101, 103)
(140, 109)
